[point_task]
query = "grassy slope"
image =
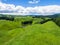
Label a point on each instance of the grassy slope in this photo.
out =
(36, 34)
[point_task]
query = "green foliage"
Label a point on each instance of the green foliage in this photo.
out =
(57, 21)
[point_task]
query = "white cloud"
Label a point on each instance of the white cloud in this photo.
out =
(34, 1)
(4, 6)
(43, 10)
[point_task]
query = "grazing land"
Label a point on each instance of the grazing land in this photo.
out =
(30, 30)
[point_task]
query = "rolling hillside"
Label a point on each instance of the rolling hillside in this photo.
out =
(36, 34)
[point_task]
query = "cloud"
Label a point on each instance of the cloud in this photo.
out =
(34, 1)
(20, 10)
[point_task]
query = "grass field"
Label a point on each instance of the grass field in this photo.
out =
(35, 34)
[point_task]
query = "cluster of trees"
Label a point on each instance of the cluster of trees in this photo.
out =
(7, 17)
(27, 22)
(57, 21)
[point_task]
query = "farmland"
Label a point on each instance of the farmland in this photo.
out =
(12, 32)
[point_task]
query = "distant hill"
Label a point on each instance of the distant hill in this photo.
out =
(36, 16)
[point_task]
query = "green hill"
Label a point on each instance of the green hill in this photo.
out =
(36, 34)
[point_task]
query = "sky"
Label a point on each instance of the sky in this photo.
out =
(30, 7)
